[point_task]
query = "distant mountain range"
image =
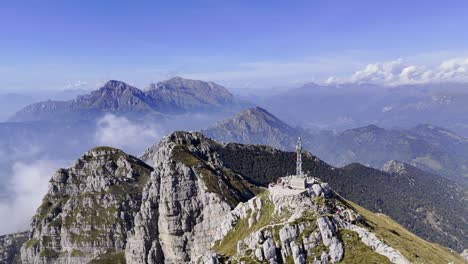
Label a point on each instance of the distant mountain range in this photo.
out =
(174, 96)
(430, 148)
(61, 129)
(11, 102)
(349, 105)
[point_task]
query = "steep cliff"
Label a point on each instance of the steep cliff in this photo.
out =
(183, 203)
(10, 247)
(88, 209)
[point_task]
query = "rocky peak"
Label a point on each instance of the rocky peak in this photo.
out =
(189, 191)
(179, 83)
(113, 89)
(115, 96)
(255, 126)
(116, 85)
(394, 166)
(178, 94)
(263, 118)
(88, 209)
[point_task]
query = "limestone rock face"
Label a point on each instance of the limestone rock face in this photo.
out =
(88, 209)
(10, 247)
(464, 254)
(326, 230)
(184, 202)
(297, 227)
(378, 246)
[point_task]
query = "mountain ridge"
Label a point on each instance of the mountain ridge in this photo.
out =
(174, 96)
(427, 147)
(348, 105)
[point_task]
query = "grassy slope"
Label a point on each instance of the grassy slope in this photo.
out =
(371, 188)
(416, 249)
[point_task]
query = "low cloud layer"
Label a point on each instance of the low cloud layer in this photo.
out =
(28, 185)
(119, 132)
(398, 72)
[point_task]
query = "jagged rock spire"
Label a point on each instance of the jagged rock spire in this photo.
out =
(299, 157)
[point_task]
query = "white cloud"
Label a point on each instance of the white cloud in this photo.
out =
(28, 185)
(454, 69)
(76, 84)
(399, 72)
(119, 132)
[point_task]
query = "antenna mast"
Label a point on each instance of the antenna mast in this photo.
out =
(299, 157)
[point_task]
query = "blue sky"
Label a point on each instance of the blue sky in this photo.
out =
(242, 44)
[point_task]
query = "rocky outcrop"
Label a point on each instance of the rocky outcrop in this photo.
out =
(296, 227)
(88, 209)
(184, 201)
(10, 247)
(464, 254)
(378, 246)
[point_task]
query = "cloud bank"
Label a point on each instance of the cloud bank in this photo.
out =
(398, 72)
(119, 132)
(28, 185)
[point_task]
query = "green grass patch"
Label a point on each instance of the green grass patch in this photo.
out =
(49, 253)
(77, 253)
(51, 205)
(228, 246)
(31, 243)
(86, 236)
(224, 182)
(183, 155)
(414, 248)
(110, 258)
(356, 252)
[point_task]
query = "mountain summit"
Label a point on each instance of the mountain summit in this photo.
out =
(254, 125)
(179, 94)
(114, 96)
(174, 96)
